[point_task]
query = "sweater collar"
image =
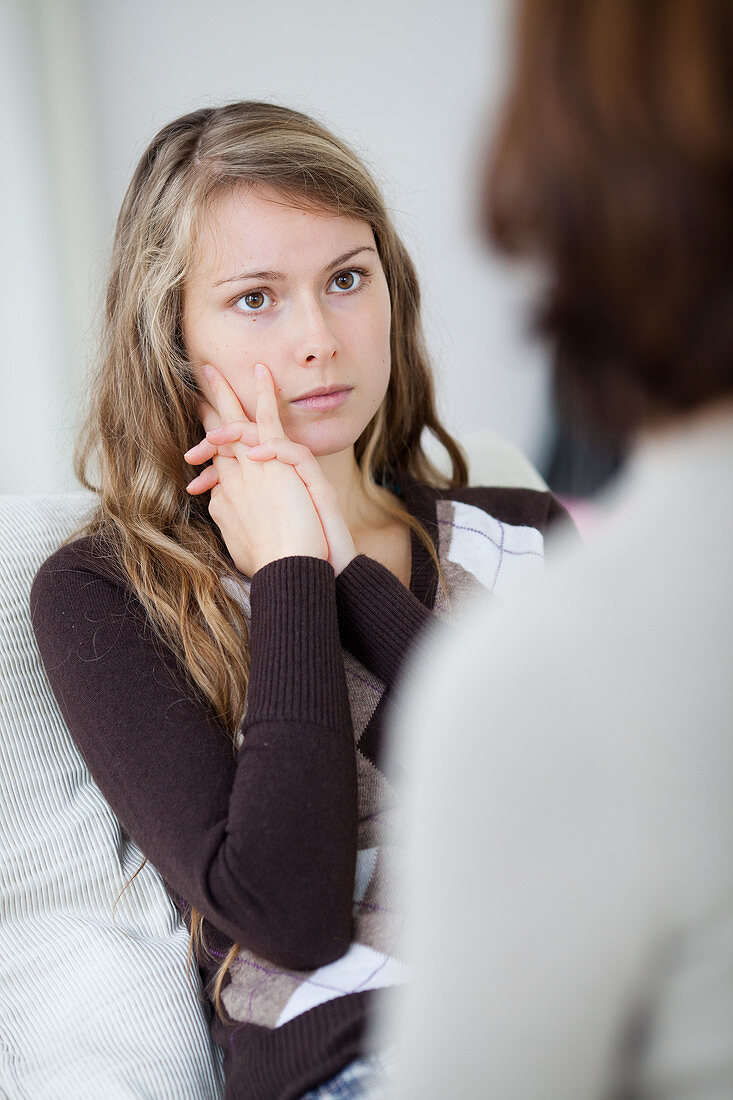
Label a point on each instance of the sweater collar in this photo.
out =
(420, 501)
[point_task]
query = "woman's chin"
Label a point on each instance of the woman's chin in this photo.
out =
(325, 436)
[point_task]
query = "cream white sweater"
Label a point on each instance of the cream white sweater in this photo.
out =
(572, 813)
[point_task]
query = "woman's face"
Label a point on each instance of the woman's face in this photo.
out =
(305, 294)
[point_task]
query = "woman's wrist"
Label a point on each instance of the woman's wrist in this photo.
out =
(340, 561)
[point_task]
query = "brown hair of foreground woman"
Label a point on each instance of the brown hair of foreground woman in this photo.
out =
(614, 168)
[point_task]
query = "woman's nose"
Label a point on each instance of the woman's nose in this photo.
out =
(316, 342)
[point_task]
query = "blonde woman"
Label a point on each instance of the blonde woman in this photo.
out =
(223, 647)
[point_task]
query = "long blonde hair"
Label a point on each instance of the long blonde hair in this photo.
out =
(142, 413)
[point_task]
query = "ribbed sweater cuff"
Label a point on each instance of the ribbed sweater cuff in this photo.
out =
(378, 617)
(296, 665)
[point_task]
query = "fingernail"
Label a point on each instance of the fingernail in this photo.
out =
(208, 373)
(213, 431)
(188, 452)
(259, 370)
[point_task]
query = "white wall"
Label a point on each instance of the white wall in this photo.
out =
(50, 237)
(410, 83)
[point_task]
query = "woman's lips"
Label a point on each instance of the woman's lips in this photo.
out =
(323, 401)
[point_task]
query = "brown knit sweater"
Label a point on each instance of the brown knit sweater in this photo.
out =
(284, 846)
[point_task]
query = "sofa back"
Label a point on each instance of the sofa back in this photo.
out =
(95, 998)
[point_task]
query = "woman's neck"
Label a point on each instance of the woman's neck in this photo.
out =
(359, 510)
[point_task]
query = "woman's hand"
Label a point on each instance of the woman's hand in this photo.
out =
(341, 548)
(263, 510)
(205, 451)
(221, 438)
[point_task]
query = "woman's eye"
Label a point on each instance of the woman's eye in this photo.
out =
(346, 280)
(253, 301)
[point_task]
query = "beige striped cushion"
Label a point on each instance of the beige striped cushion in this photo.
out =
(95, 1001)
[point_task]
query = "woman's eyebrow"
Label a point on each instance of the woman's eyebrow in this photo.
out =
(348, 256)
(274, 276)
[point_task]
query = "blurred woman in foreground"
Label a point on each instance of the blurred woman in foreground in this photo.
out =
(573, 901)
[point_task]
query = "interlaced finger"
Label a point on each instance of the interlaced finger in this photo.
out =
(239, 431)
(205, 481)
(222, 397)
(269, 425)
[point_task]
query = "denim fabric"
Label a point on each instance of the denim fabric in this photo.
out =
(363, 1079)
